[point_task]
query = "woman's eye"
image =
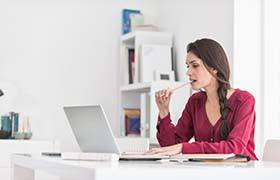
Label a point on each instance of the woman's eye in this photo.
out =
(195, 65)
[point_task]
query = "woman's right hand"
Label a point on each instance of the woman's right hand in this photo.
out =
(163, 99)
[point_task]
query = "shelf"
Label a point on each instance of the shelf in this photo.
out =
(129, 38)
(138, 87)
(144, 87)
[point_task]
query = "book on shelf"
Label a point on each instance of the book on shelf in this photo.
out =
(126, 19)
(136, 19)
(14, 125)
(132, 122)
(131, 65)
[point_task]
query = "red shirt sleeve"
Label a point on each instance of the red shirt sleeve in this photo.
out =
(238, 137)
(168, 134)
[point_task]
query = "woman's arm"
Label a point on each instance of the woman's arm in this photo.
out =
(168, 134)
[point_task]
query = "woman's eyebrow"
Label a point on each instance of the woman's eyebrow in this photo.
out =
(190, 62)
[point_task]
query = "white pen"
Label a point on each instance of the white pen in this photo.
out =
(179, 87)
(175, 88)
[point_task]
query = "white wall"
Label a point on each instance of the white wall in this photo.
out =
(56, 53)
(196, 19)
(271, 63)
(248, 57)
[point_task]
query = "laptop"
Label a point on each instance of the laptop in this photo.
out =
(94, 134)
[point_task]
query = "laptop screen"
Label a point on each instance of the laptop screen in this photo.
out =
(91, 129)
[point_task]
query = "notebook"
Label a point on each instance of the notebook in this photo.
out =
(211, 157)
(94, 134)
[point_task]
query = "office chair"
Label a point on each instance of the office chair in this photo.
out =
(271, 150)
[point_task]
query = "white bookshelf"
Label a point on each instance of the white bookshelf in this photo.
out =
(154, 37)
(142, 95)
(138, 87)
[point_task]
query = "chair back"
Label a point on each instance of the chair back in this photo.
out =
(272, 150)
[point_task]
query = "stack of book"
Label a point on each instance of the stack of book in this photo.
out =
(15, 126)
(133, 20)
(136, 20)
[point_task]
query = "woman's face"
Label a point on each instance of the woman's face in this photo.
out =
(197, 72)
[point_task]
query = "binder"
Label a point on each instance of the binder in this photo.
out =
(154, 58)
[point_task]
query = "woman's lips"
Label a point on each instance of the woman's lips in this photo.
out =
(192, 82)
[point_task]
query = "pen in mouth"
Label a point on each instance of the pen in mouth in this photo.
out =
(180, 86)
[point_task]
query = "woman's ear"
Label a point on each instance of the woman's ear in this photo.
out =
(214, 70)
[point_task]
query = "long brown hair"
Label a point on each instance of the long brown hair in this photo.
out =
(213, 56)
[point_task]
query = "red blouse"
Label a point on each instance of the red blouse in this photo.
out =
(194, 123)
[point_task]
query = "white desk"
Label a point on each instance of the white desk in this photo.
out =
(24, 167)
(8, 147)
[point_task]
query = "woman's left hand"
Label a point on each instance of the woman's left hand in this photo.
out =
(166, 151)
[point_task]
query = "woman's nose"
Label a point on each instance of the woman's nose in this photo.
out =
(189, 72)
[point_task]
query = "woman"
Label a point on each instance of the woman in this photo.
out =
(221, 119)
